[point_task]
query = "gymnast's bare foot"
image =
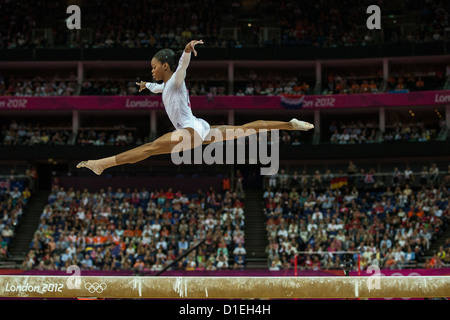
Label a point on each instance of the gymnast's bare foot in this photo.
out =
(92, 165)
(301, 125)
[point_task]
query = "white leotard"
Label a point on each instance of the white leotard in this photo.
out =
(176, 101)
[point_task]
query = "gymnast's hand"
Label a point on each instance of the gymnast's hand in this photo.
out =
(190, 47)
(141, 85)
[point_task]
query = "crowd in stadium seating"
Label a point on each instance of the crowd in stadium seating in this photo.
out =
(306, 23)
(117, 87)
(258, 86)
(433, 22)
(39, 86)
(197, 88)
(33, 134)
(109, 137)
(245, 83)
(122, 87)
(423, 78)
(440, 258)
(13, 201)
(443, 254)
(338, 84)
(363, 178)
(21, 134)
(318, 24)
(173, 25)
(252, 84)
(271, 85)
(408, 133)
(139, 230)
(398, 81)
(335, 23)
(392, 229)
(411, 83)
(354, 132)
(369, 132)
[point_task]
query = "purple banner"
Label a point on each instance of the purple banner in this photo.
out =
(424, 98)
(431, 98)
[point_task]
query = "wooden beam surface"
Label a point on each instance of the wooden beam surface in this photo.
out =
(224, 287)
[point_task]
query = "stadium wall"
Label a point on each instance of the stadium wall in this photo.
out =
(308, 152)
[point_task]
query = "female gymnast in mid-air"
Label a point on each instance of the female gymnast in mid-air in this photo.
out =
(171, 69)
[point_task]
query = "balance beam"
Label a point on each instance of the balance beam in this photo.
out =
(224, 287)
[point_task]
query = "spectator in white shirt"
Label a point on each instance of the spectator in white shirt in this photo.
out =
(239, 250)
(317, 215)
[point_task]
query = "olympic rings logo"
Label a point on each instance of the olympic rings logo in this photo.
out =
(95, 287)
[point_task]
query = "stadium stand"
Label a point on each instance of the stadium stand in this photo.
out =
(139, 230)
(389, 207)
(390, 223)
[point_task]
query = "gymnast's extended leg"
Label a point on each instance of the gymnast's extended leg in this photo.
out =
(166, 144)
(255, 127)
(162, 145)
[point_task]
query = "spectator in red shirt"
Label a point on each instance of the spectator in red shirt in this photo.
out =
(169, 194)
